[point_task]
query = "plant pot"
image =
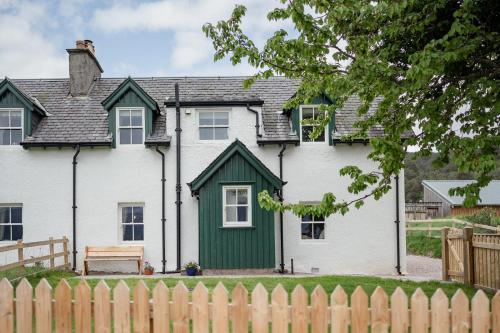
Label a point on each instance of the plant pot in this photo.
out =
(191, 271)
(148, 272)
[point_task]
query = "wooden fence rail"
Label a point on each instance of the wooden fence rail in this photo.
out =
(430, 225)
(181, 311)
(21, 261)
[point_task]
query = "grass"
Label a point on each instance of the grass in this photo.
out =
(423, 245)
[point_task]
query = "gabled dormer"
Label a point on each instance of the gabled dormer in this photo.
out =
(19, 113)
(131, 112)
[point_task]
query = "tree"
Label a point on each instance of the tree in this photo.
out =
(435, 64)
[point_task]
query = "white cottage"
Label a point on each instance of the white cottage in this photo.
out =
(109, 161)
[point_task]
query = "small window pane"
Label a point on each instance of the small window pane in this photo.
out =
(15, 118)
(242, 197)
(128, 233)
(319, 231)
(4, 215)
(125, 136)
(136, 116)
(319, 218)
(306, 218)
(320, 137)
(206, 133)
(127, 214)
(4, 119)
(307, 113)
(231, 214)
(231, 196)
(138, 215)
(306, 131)
(206, 118)
(4, 137)
(16, 215)
(220, 133)
(139, 232)
(17, 232)
(15, 137)
(4, 232)
(221, 118)
(136, 135)
(242, 214)
(124, 118)
(306, 229)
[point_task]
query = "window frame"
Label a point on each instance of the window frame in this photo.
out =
(249, 222)
(326, 134)
(121, 225)
(12, 205)
(312, 223)
(118, 127)
(13, 128)
(213, 110)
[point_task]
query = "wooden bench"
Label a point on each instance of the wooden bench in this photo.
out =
(113, 253)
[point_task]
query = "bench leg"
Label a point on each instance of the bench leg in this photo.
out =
(139, 267)
(85, 267)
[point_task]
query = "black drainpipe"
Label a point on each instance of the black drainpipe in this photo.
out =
(163, 261)
(398, 264)
(282, 254)
(74, 204)
(257, 122)
(178, 188)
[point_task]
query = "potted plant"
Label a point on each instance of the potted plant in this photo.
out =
(148, 269)
(191, 268)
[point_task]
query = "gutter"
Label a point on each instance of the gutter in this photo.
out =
(178, 187)
(257, 121)
(163, 220)
(398, 245)
(282, 254)
(27, 145)
(74, 205)
(257, 102)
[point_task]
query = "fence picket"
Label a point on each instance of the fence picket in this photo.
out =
(380, 311)
(399, 311)
(63, 307)
(121, 308)
(439, 312)
(6, 306)
(240, 313)
(161, 314)
(319, 310)
(102, 308)
(141, 308)
(459, 312)
(495, 313)
(300, 313)
(24, 307)
(220, 315)
(43, 307)
(180, 310)
(279, 310)
(359, 311)
(340, 311)
(259, 309)
(200, 309)
(419, 312)
(480, 313)
(82, 308)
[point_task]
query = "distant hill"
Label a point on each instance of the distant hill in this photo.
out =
(421, 168)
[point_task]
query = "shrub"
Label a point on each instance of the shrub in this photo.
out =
(486, 216)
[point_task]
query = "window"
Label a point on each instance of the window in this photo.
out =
(11, 126)
(131, 126)
(237, 206)
(313, 227)
(11, 219)
(313, 113)
(213, 125)
(132, 222)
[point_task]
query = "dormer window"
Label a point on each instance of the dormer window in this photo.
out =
(11, 126)
(310, 112)
(130, 126)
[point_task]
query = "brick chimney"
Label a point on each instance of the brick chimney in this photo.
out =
(84, 68)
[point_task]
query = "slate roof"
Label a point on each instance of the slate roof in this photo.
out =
(490, 195)
(84, 120)
(346, 117)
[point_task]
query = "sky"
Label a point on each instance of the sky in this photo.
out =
(131, 37)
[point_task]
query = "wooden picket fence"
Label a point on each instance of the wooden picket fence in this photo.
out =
(181, 311)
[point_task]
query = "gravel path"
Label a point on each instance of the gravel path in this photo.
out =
(423, 268)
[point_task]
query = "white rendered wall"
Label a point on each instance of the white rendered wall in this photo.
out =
(363, 241)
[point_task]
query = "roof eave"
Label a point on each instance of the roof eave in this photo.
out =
(256, 102)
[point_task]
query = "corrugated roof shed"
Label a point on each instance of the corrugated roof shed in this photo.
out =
(490, 195)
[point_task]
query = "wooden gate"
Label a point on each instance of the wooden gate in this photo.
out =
(471, 258)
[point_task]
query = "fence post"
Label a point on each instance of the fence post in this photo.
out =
(20, 252)
(468, 256)
(51, 251)
(65, 250)
(444, 253)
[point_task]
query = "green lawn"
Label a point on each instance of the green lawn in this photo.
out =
(423, 245)
(349, 283)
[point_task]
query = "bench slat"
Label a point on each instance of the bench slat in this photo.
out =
(114, 253)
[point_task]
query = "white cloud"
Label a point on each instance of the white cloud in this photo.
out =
(29, 53)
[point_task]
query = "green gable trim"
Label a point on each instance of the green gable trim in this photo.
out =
(123, 88)
(237, 147)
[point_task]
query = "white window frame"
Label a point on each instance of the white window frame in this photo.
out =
(14, 128)
(312, 240)
(246, 224)
(326, 134)
(121, 224)
(213, 110)
(118, 127)
(10, 205)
